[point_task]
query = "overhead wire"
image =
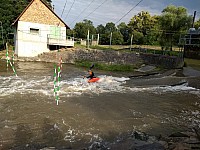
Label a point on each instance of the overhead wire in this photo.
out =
(129, 11)
(64, 8)
(70, 9)
(96, 8)
(82, 12)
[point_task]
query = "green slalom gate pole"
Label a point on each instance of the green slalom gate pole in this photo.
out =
(13, 56)
(57, 77)
(60, 64)
(54, 82)
(7, 55)
(9, 62)
(58, 86)
(13, 68)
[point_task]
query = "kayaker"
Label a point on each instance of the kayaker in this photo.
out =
(91, 74)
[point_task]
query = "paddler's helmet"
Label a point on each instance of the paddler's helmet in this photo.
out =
(90, 71)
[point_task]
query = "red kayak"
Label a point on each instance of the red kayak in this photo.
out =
(93, 80)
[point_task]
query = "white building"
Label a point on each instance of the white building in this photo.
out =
(37, 29)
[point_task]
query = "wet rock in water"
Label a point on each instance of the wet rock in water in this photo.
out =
(48, 148)
(183, 141)
(181, 146)
(146, 68)
(178, 134)
(140, 136)
(98, 145)
(139, 141)
(153, 146)
(197, 131)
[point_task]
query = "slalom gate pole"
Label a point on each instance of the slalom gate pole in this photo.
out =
(13, 68)
(54, 82)
(57, 99)
(13, 56)
(7, 55)
(60, 64)
(57, 76)
(9, 62)
(58, 86)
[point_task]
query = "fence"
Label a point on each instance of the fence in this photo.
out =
(171, 47)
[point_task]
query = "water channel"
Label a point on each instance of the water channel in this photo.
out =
(91, 112)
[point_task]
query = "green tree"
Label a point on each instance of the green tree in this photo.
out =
(124, 30)
(197, 24)
(100, 29)
(117, 38)
(173, 21)
(106, 32)
(110, 27)
(153, 34)
(70, 32)
(138, 37)
(81, 29)
(141, 23)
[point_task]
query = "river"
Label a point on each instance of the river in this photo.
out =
(92, 112)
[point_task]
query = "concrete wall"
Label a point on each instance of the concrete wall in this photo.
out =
(162, 60)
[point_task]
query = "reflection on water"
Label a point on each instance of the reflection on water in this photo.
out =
(90, 112)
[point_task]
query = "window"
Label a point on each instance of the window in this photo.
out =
(34, 31)
(55, 32)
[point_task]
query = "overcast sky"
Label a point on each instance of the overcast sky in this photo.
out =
(104, 11)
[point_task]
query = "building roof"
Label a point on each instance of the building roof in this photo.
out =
(14, 23)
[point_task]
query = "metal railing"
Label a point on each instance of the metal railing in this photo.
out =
(60, 40)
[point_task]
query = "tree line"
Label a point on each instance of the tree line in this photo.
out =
(163, 30)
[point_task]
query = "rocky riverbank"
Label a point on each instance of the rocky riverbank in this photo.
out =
(71, 55)
(135, 140)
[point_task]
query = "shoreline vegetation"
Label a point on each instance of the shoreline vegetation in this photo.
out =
(112, 66)
(86, 64)
(152, 49)
(106, 67)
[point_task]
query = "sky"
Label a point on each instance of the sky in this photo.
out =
(104, 11)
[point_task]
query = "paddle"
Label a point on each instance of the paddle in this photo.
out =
(92, 66)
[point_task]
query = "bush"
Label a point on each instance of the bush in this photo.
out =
(106, 67)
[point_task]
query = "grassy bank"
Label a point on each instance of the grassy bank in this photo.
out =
(194, 63)
(135, 48)
(127, 47)
(106, 67)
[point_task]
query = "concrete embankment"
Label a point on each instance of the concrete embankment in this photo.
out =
(109, 57)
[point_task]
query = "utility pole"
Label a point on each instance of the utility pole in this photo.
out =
(2, 33)
(98, 39)
(110, 39)
(88, 38)
(131, 41)
(92, 39)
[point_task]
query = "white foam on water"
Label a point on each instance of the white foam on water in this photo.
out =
(164, 89)
(11, 85)
(105, 84)
(78, 86)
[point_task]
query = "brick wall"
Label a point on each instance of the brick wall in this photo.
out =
(37, 12)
